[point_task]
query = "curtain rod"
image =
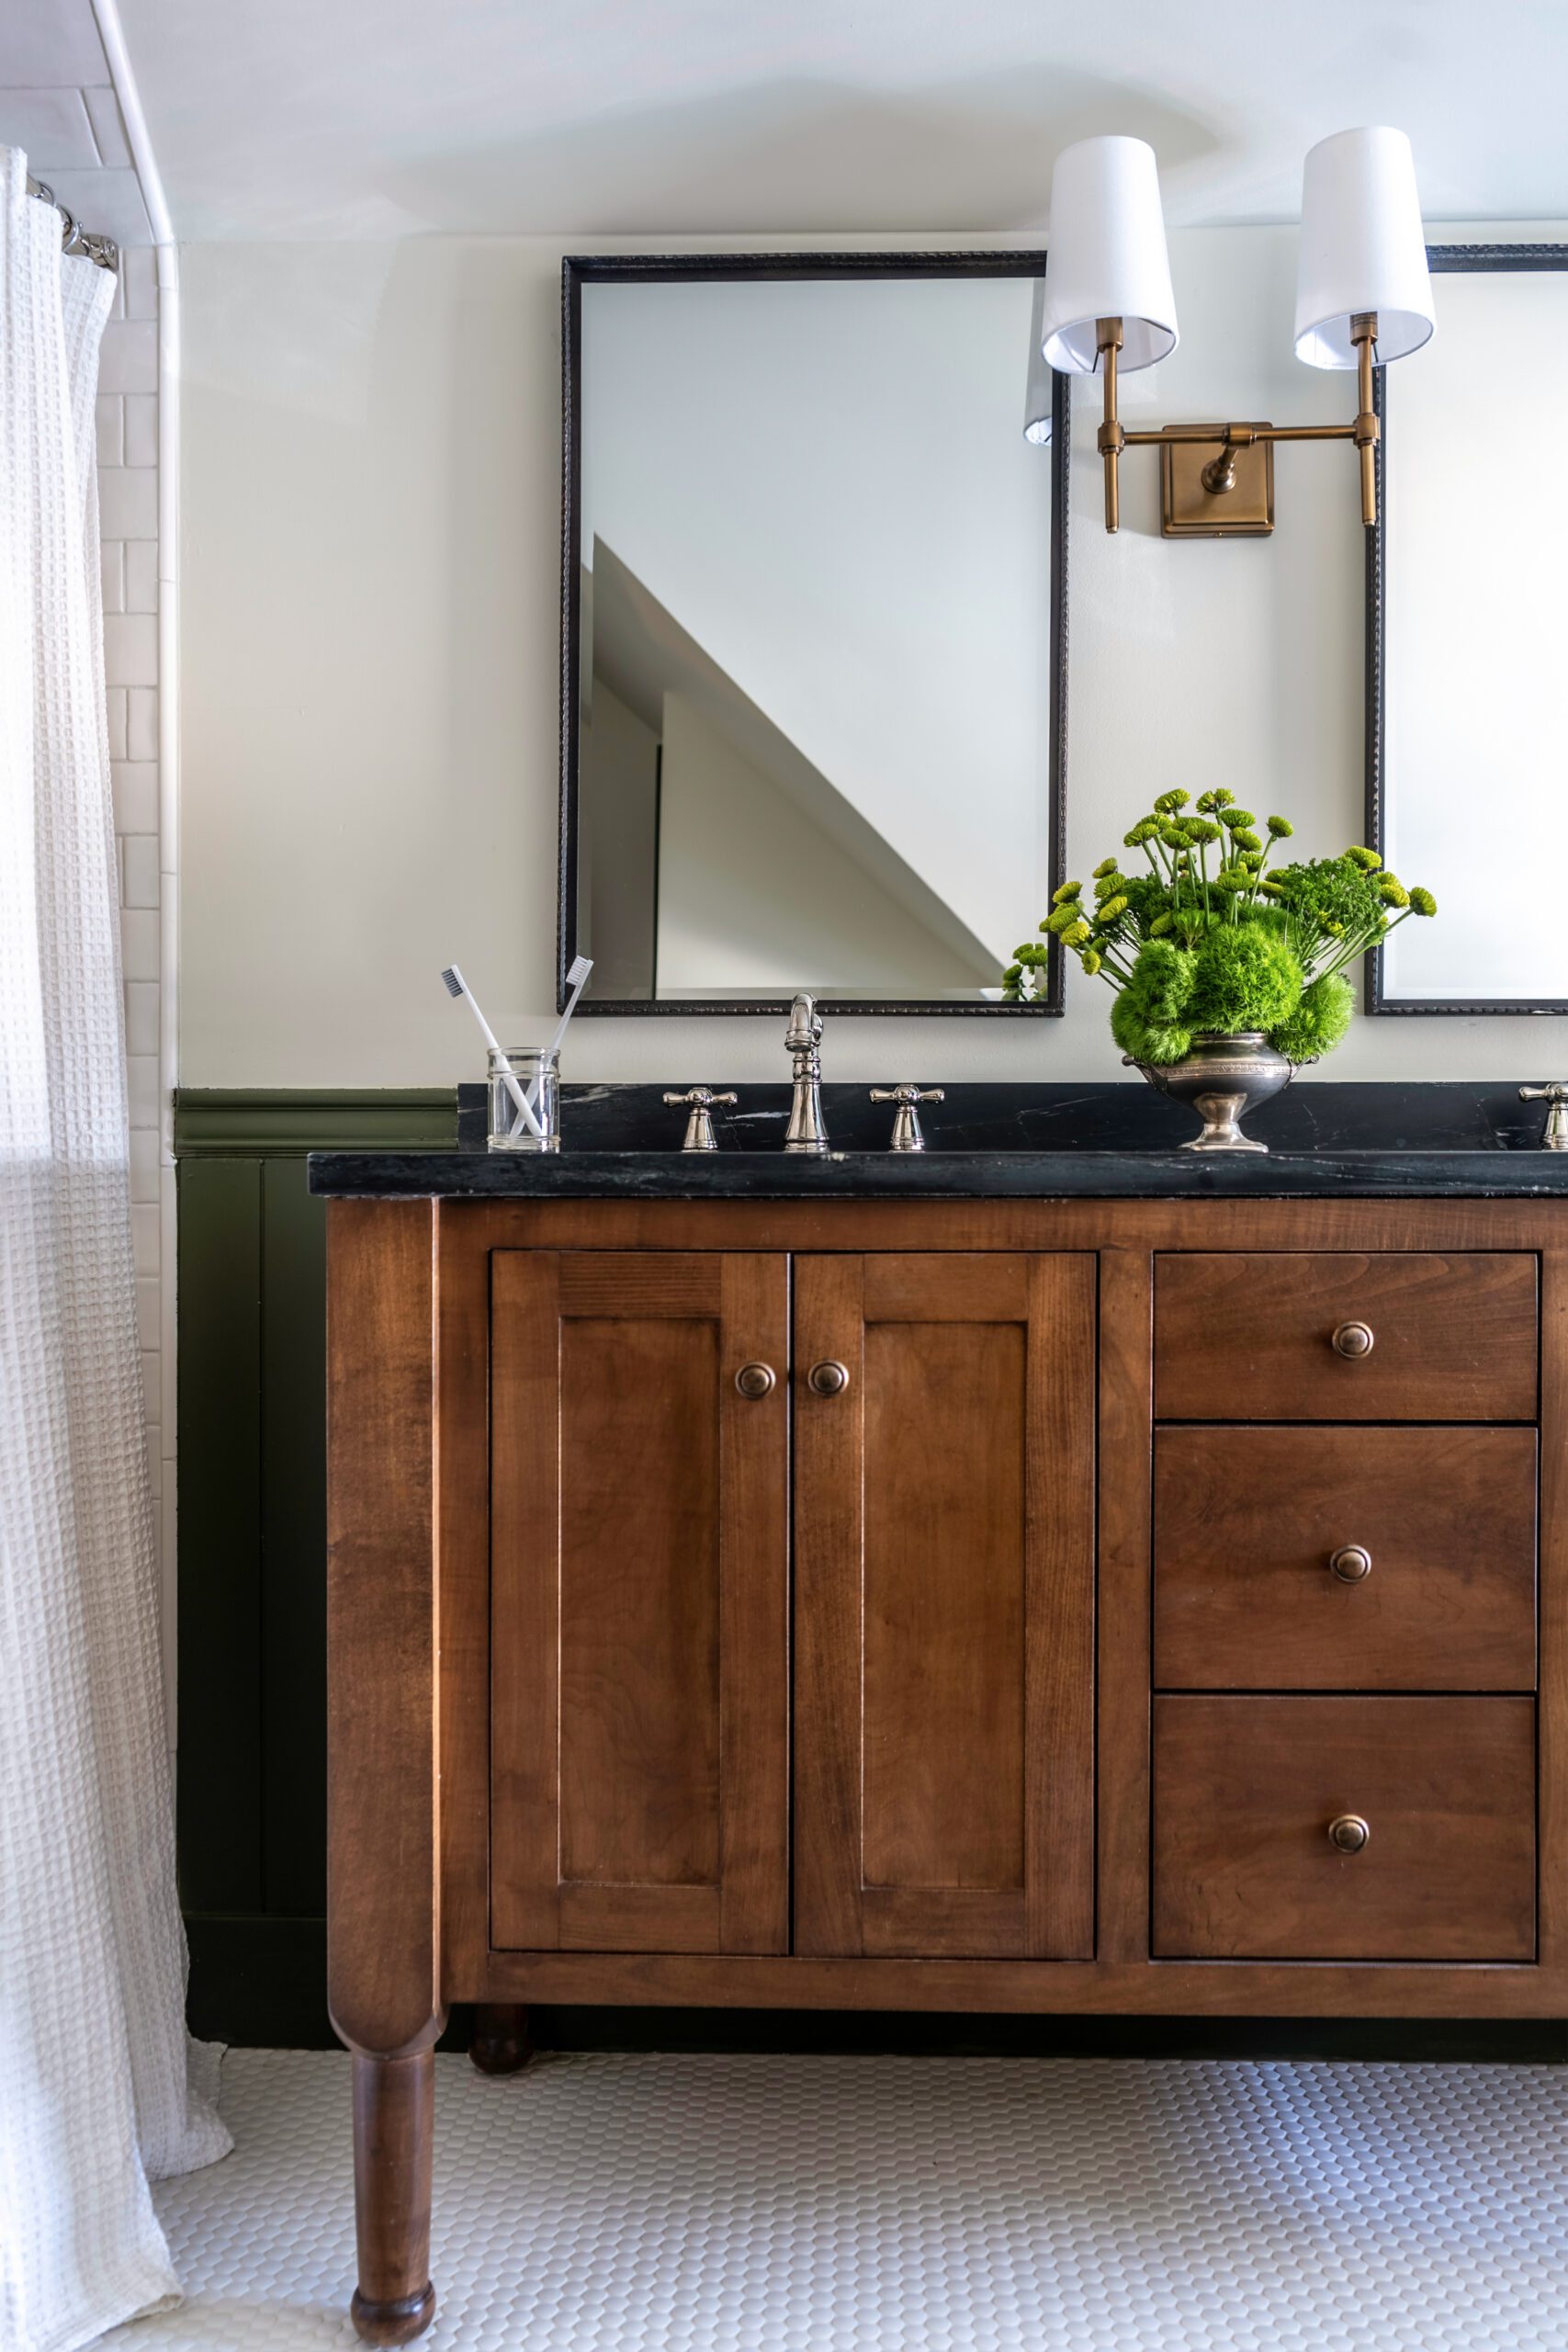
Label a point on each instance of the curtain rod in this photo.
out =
(75, 239)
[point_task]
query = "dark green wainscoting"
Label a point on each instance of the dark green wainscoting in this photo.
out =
(252, 1774)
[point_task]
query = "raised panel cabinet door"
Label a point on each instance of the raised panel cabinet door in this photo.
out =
(944, 1605)
(639, 1600)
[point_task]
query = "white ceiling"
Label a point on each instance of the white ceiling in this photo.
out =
(280, 118)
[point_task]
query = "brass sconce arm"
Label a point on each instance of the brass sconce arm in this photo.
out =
(1236, 444)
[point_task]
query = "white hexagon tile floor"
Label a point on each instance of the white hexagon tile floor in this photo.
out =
(785, 2204)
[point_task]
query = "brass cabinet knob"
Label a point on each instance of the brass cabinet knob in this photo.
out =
(1348, 1833)
(827, 1379)
(1351, 1563)
(754, 1379)
(1353, 1340)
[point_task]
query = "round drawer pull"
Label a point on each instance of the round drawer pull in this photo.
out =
(1353, 1340)
(1351, 1563)
(1348, 1833)
(755, 1379)
(827, 1379)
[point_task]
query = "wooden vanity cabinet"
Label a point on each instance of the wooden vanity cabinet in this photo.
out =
(969, 1605)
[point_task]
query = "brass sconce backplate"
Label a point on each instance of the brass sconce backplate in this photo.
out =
(1191, 510)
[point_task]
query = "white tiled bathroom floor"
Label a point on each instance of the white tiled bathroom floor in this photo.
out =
(674, 2203)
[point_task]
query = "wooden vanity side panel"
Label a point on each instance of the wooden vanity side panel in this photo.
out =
(639, 1582)
(1552, 1717)
(383, 1846)
(944, 1601)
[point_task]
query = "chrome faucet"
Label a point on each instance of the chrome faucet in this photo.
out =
(807, 1130)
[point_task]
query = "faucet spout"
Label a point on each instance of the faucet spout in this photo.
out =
(807, 1130)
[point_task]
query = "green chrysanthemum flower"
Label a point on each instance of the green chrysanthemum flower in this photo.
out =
(1144, 831)
(1245, 978)
(1244, 839)
(1200, 829)
(1367, 859)
(1219, 798)
(1236, 819)
(1077, 936)
(1318, 1022)
(1065, 895)
(1111, 909)
(1281, 829)
(1422, 901)
(1392, 892)
(1013, 976)
(1160, 926)
(1090, 961)
(1107, 866)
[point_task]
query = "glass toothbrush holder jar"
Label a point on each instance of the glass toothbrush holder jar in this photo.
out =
(536, 1071)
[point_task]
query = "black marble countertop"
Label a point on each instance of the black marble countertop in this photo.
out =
(1329, 1140)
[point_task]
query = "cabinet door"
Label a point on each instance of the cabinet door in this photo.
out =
(944, 1606)
(639, 1602)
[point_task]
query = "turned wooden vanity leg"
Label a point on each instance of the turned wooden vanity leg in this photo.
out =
(501, 2044)
(383, 1835)
(394, 2108)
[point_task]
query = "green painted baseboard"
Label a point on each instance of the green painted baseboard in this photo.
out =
(269, 1122)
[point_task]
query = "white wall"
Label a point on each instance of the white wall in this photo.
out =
(371, 515)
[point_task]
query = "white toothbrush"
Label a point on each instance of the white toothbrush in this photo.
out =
(458, 986)
(576, 978)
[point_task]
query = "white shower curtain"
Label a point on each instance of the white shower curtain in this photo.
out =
(97, 2095)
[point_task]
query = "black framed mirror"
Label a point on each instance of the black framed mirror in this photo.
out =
(1464, 647)
(813, 632)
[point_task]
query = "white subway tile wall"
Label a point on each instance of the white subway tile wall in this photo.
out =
(128, 485)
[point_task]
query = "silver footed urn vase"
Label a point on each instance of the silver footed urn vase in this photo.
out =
(1223, 1079)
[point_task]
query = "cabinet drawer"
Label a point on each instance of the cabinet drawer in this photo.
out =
(1244, 1790)
(1262, 1538)
(1251, 1336)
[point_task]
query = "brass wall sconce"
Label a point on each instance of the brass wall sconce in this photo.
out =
(1363, 298)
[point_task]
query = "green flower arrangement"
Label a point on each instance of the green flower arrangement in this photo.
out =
(1209, 937)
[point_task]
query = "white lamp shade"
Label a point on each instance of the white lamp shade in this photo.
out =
(1108, 257)
(1363, 249)
(1039, 384)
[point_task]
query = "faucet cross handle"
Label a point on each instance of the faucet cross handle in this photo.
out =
(700, 1103)
(1554, 1094)
(907, 1136)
